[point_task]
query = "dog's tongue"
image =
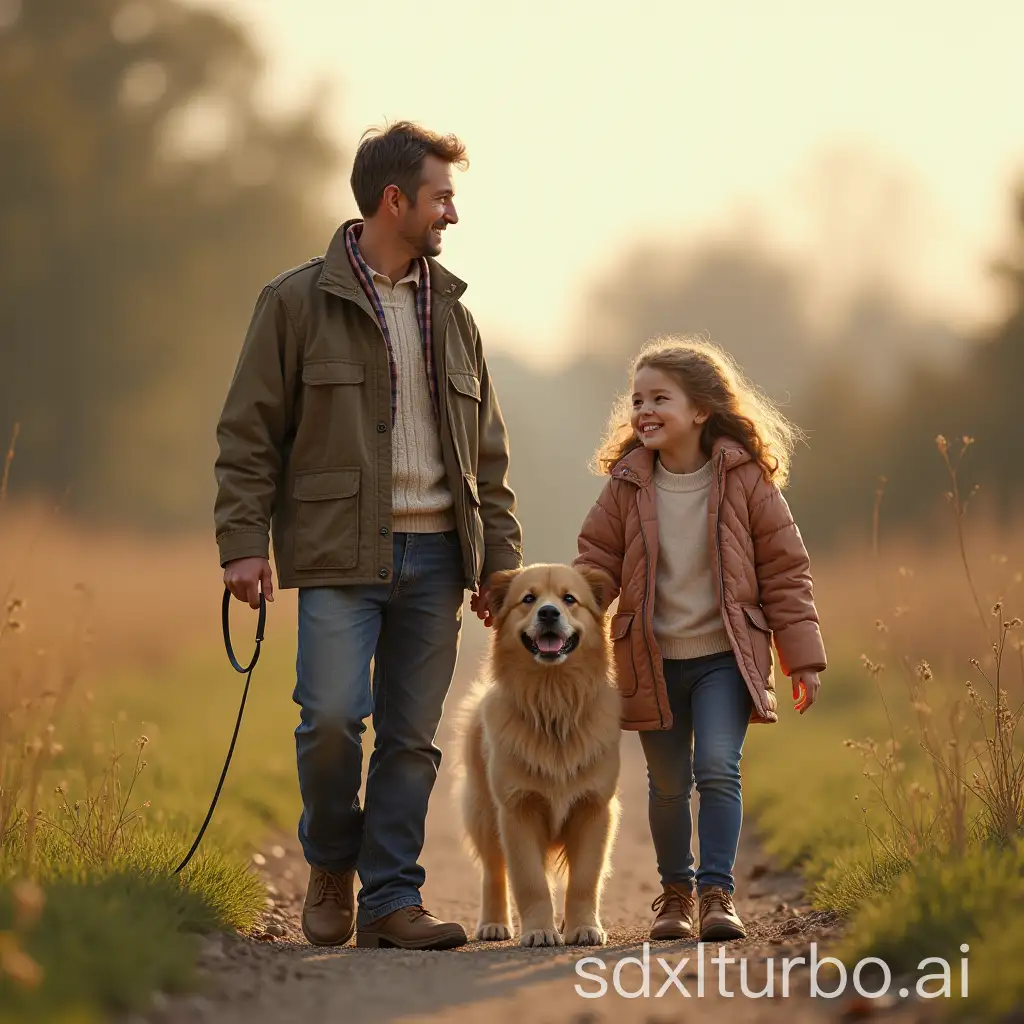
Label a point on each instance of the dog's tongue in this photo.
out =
(549, 644)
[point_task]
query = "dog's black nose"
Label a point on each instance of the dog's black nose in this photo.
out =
(548, 615)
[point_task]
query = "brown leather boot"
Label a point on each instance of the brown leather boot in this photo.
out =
(411, 928)
(675, 914)
(718, 918)
(328, 912)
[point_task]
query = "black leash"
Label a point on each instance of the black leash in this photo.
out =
(247, 672)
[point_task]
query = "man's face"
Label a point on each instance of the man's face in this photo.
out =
(422, 224)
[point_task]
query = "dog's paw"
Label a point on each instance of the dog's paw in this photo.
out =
(541, 937)
(586, 935)
(493, 932)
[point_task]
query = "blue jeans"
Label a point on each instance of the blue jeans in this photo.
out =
(710, 711)
(410, 628)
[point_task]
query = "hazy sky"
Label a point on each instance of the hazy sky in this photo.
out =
(590, 125)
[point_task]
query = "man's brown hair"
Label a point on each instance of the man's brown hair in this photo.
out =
(394, 156)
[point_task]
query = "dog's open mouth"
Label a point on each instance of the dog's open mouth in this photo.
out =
(550, 646)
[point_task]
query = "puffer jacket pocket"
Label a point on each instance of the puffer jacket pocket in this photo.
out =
(621, 632)
(760, 636)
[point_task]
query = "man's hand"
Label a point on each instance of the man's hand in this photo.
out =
(809, 683)
(245, 576)
(480, 604)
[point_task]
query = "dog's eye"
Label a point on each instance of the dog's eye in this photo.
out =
(529, 599)
(569, 599)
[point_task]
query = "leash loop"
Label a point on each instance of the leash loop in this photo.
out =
(245, 671)
(261, 623)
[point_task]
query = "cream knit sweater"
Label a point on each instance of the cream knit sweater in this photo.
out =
(687, 618)
(421, 499)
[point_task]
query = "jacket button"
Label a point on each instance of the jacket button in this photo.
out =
(383, 574)
(381, 428)
(384, 531)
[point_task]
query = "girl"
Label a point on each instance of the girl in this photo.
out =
(708, 565)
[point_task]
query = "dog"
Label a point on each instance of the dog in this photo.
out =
(539, 750)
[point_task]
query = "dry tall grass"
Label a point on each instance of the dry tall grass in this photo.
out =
(82, 602)
(149, 597)
(969, 783)
(54, 591)
(76, 608)
(42, 659)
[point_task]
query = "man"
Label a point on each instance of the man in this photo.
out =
(363, 422)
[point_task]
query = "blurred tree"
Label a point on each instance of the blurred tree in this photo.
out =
(859, 433)
(550, 453)
(143, 200)
(843, 383)
(883, 340)
(742, 297)
(992, 393)
(871, 393)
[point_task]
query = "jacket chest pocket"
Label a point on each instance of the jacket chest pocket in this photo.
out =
(333, 371)
(326, 519)
(464, 416)
(335, 410)
(324, 395)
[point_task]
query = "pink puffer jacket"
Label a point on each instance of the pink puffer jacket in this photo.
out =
(759, 560)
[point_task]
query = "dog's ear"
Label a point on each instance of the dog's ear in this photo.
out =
(600, 583)
(498, 584)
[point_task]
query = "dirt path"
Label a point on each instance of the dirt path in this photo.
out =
(278, 978)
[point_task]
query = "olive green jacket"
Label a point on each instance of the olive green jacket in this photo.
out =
(305, 433)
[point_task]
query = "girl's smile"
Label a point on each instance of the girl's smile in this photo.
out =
(666, 420)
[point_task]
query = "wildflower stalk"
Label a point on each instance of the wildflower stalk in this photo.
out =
(959, 511)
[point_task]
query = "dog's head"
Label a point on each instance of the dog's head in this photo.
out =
(550, 610)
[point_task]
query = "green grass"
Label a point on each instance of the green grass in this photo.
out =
(800, 783)
(996, 982)
(941, 902)
(109, 936)
(114, 930)
(188, 715)
(112, 933)
(807, 797)
(938, 906)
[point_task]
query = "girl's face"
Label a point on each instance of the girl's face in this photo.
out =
(663, 416)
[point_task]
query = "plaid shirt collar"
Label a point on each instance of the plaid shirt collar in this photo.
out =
(364, 274)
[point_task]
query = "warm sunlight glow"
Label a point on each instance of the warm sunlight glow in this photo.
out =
(592, 125)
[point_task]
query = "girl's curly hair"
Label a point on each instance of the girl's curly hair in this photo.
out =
(712, 381)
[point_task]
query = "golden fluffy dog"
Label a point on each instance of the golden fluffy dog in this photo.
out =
(540, 756)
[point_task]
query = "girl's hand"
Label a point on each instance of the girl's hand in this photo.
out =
(807, 682)
(479, 602)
